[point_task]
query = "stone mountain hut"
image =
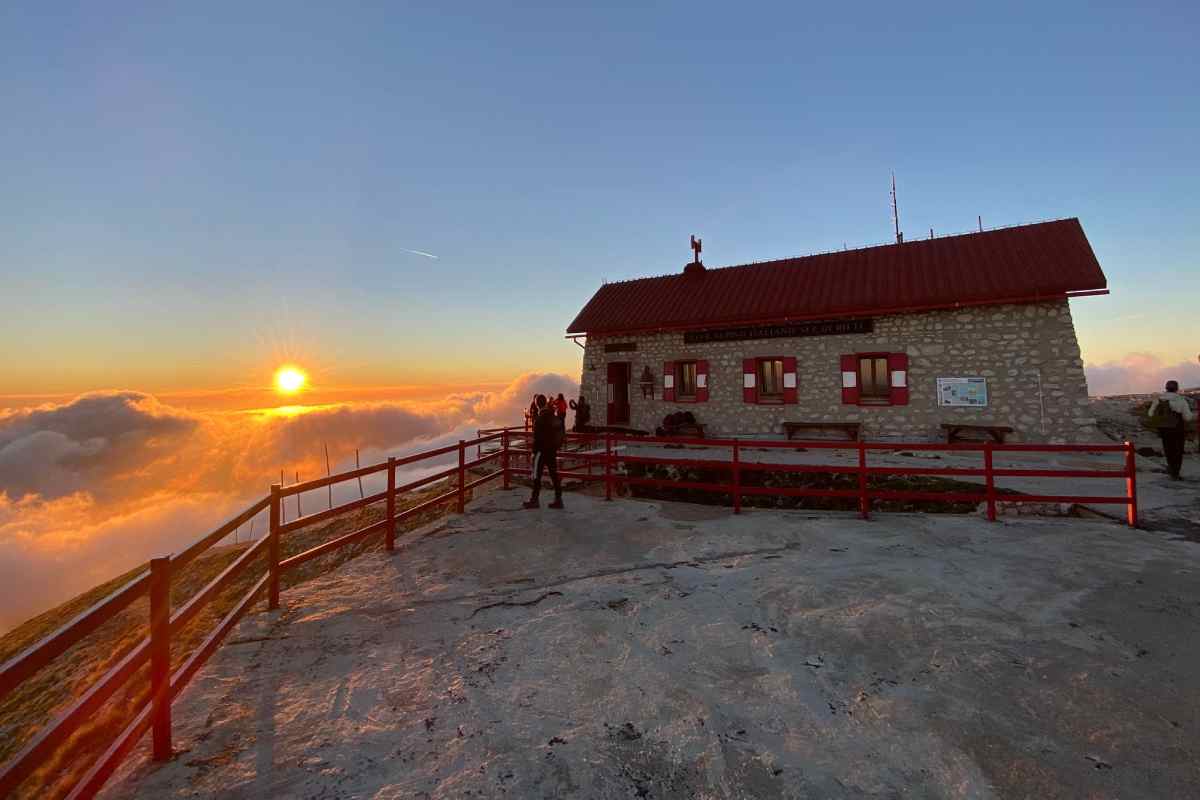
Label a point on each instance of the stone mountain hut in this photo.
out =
(902, 338)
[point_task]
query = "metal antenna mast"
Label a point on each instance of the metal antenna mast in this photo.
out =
(896, 211)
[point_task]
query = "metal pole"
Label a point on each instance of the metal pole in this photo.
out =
(273, 550)
(391, 503)
(299, 513)
(864, 501)
(504, 457)
(991, 481)
(328, 473)
(462, 475)
(160, 655)
(1131, 484)
(737, 481)
(608, 466)
(358, 466)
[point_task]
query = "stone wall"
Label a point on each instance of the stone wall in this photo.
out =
(1028, 353)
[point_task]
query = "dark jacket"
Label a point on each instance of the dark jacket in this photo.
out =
(546, 436)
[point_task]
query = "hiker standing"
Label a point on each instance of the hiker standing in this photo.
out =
(583, 414)
(547, 438)
(1169, 414)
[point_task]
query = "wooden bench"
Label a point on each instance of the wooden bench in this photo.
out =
(853, 430)
(955, 430)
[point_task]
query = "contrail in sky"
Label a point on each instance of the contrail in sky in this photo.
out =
(419, 253)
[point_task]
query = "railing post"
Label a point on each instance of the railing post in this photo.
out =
(273, 550)
(737, 481)
(160, 655)
(608, 466)
(462, 476)
(1131, 485)
(391, 503)
(864, 501)
(504, 457)
(991, 481)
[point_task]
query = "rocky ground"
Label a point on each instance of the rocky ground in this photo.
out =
(648, 649)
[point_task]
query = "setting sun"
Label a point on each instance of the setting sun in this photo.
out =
(289, 380)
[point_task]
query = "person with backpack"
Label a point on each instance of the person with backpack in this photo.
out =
(1169, 415)
(548, 435)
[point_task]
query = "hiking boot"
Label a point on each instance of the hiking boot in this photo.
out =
(557, 503)
(531, 504)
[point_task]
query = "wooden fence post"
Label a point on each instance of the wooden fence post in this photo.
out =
(608, 466)
(1131, 485)
(737, 481)
(273, 550)
(391, 504)
(504, 458)
(864, 502)
(160, 656)
(991, 481)
(462, 476)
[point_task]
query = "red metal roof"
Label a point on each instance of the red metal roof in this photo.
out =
(1019, 264)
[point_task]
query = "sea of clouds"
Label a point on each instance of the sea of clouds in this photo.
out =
(1138, 373)
(95, 486)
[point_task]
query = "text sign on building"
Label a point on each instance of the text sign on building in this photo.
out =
(621, 347)
(822, 328)
(971, 392)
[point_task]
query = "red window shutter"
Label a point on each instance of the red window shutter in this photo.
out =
(669, 381)
(850, 379)
(789, 380)
(749, 380)
(898, 378)
(701, 381)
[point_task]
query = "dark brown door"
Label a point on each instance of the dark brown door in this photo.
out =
(618, 393)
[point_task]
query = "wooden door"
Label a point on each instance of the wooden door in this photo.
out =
(618, 393)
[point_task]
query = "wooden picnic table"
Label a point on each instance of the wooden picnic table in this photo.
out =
(954, 431)
(853, 430)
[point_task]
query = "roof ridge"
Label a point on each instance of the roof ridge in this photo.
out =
(848, 250)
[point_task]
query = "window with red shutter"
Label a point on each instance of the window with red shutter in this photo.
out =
(770, 380)
(701, 381)
(669, 382)
(875, 379)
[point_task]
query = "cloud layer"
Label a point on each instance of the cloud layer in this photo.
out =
(94, 486)
(1139, 373)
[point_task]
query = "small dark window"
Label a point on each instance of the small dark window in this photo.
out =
(873, 380)
(770, 380)
(685, 380)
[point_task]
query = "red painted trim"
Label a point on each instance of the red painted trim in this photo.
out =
(840, 314)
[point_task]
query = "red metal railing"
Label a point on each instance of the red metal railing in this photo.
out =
(155, 583)
(599, 454)
(736, 465)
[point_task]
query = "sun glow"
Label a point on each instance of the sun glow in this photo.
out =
(289, 380)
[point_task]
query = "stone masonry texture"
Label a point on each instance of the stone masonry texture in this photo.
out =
(1028, 353)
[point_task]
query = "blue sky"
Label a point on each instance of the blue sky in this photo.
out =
(190, 190)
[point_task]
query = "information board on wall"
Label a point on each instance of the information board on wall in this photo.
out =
(971, 392)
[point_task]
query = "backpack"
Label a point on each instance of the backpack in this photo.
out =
(560, 432)
(1166, 418)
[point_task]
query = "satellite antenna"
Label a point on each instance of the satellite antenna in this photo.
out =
(896, 211)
